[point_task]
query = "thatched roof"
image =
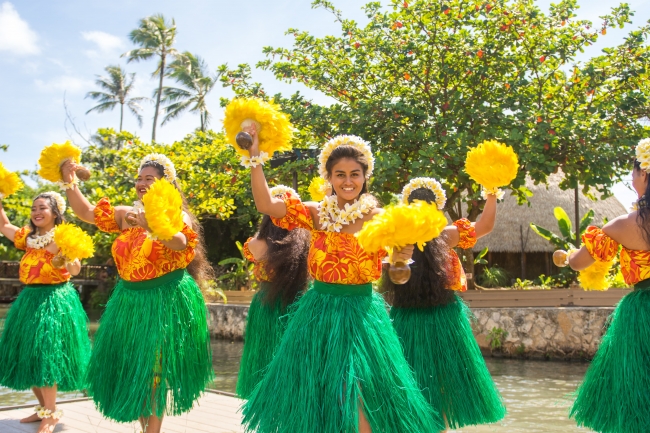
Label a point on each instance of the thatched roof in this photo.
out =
(506, 235)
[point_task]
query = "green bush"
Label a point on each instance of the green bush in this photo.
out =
(493, 276)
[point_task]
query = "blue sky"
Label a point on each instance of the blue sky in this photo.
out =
(51, 47)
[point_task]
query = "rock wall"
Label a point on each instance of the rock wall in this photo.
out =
(535, 332)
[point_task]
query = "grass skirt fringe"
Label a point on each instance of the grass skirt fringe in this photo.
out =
(152, 350)
(338, 354)
(264, 329)
(45, 339)
(615, 394)
(439, 345)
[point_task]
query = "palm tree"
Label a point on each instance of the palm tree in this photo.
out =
(117, 87)
(156, 38)
(192, 73)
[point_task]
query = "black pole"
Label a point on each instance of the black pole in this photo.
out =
(577, 216)
(295, 180)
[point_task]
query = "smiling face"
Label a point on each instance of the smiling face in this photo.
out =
(145, 179)
(42, 215)
(639, 180)
(347, 179)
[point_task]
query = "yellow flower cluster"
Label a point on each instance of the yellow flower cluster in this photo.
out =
(73, 242)
(402, 225)
(492, 164)
(643, 154)
(53, 156)
(9, 182)
(595, 276)
(317, 188)
(163, 209)
(275, 131)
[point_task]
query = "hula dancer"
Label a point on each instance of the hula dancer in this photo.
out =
(151, 354)
(614, 396)
(280, 258)
(339, 367)
(433, 322)
(45, 344)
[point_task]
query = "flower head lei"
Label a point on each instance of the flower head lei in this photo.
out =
(58, 198)
(345, 140)
(643, 154)
(281, 190)
(429, 183)
(167, 164)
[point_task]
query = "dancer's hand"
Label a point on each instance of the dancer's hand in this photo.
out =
(252, 131)
(141, 220)
(68, 170)
(403, 254)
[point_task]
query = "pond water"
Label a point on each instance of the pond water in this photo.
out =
(537, 393)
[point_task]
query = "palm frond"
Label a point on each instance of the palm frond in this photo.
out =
(103, 107)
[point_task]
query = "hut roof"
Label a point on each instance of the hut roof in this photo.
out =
(506, 236)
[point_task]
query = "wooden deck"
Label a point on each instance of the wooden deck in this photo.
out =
(215, 413)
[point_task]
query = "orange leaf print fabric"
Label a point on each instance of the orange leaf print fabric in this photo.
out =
(297, 216)
(259, 270)
(600, 246)
(456, 273)
(635, 265)
(467, 233)
(36, 265)
(105, 217)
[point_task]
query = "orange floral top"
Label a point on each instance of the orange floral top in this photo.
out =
(455, 267)
(137, 257)
(333, 257)
(259, 269)
(36, 265)
(635, 264)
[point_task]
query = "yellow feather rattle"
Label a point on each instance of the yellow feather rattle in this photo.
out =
(73, 243)
(9, 182)
(273, 126)
(52, 158)
(492, 164)
(595, 276)
(401, 225)
(163, 209)
(318, 188)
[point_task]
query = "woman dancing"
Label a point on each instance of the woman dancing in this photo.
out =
(151, 355)
(339, 367)
(280, 258)
(432, 322)
(44, 344)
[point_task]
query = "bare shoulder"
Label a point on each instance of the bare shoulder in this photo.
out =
(187, 219)
(620, 225)
(258, 248)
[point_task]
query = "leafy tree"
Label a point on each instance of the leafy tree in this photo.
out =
(116, 89)
(156, 37)
(191, 72)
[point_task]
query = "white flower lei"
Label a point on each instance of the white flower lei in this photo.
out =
(643, 154)
(40, 241)
(43, 413)
(280, 190)
(493, 191)
(254, 161)
(332, 219)
(58, 198)
(168, 165)
(429, 183)
(349, 140)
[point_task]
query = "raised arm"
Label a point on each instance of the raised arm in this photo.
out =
(79, 204)
(6, 228)
(264, 202)
(482, 227)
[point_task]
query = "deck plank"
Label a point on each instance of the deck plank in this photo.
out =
(214, 414)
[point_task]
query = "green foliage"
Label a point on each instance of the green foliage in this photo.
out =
(479, 259)
(522, 284)
(239, 271)
(568, 239)
(544, 282)
(496, 338)
(493, 276)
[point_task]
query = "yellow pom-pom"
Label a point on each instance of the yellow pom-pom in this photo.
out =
(9, 182)
(401, 225)
(275, 130)
(492, 164)
(53, 156)
(163, 209)
(595, 276)
(317, 188)
(73, 242)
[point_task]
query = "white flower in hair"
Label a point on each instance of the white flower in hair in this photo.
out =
(167, 164)
(643, 154)
(280, 190)
(58, 198)
(429, 183)
(348, 140)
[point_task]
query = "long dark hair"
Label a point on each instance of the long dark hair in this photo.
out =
(643, 208)
(429, 282)
(51, 202)
(199, 268)
(285, 261)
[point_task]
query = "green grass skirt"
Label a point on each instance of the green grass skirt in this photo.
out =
(152, 350)
(264, 329)
(45, 339)
(438, 343)
(339, 353)
(615, 394)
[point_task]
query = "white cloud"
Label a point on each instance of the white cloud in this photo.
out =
(66, 83)
(15, 34)
(106, 43)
